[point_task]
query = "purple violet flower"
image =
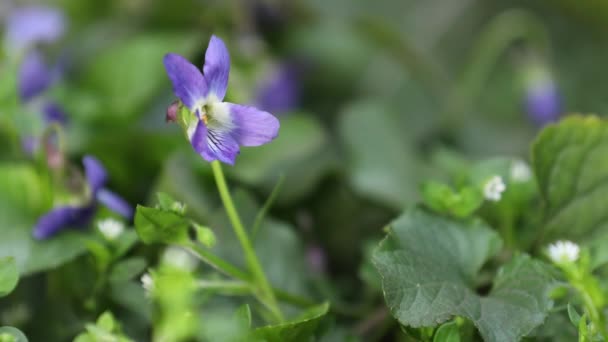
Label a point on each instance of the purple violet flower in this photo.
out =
(78, 216)
(216, 129)
(280, 93)
(30, 25)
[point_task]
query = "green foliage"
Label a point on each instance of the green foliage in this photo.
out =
(157, 225)
(105, 329)
(10, 334)
(447, 332)
(571, 165)
(443, 199)
(9, 276)
(302, 328)
(302, 152)
(429, 267)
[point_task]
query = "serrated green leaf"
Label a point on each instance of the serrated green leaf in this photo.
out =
(570, 161)
(447, 332)
(10, 334)
(300, 329)
(429, 264)
(156, 225)
(9, 276)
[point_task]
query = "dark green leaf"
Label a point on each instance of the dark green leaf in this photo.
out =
(127, 269)
(429, 264)
(9, 276)
(571, 165)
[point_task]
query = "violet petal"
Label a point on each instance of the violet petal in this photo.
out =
(254, 127)
(189, 85)
(217, 67)
(115, 203)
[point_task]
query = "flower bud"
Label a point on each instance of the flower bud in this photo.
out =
(172, 111)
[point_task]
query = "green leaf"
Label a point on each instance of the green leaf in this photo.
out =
(167, 203)
(570, 162)
(447, 332)
(574, 316)
(10, 334)
(124, 86)
(127, 269)
(301, 152)
(300, 329)
(9, 276)
(428, 267)
(442, 199)
(156, 225)
(385, 167)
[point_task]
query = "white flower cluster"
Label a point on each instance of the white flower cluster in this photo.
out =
(520, 171)
(110, 228)
(563, 252)
(493, 189)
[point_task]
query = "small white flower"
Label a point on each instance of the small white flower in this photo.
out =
(520, 171)
(493, 188)
(147, 283)
(179, 258)
(110, 228)
(563, 251)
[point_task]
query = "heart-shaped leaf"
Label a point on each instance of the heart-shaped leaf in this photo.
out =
(429, 264)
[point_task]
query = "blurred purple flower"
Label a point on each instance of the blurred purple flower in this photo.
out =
(543, 102)
(317, 260)
(280, 92)
(542, 99)
(30, 25)
(78, 216)
(216, 129)
(34, 76)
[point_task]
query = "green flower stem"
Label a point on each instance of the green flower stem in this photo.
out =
(253, 263)
(505, 29)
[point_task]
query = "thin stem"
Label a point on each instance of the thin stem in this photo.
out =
(218, 263)
(226, 286)
(250, 256)
(262, 213)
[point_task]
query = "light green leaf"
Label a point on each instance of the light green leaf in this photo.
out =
(429, 264)
(300, 329)
(570, 161)
(156, 225)
(447, 332)
(9, 276)
(574, 316)
(10, 334)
